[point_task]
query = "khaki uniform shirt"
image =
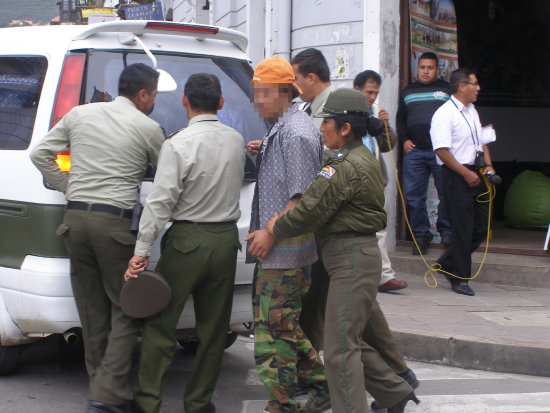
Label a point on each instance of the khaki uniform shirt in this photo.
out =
(111, 144)
(317, 106)
(198, 179)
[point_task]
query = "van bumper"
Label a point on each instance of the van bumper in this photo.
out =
(37, 300)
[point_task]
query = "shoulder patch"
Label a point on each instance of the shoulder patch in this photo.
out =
(327, 172)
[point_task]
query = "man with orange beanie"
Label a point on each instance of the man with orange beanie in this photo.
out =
(289, 157)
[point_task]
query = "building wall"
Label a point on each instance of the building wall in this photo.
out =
(354, 35)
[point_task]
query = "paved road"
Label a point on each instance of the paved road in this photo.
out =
(50, 382)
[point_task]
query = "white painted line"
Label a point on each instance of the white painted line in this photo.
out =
(252, 378)
(483, 403)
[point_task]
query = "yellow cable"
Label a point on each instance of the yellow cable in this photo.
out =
(491, 192)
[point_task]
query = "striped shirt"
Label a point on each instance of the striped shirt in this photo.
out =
(417, 104)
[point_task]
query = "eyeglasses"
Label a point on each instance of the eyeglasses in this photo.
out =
(471, 83)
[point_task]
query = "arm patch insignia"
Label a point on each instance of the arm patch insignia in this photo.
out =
(327, 172)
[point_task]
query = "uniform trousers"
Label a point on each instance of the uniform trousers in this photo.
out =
(284, 356)
(468, 219)
(199, 260)
(100, 246)
(377, 333)
(352, 365)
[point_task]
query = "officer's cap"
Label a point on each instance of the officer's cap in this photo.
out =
(344, 102)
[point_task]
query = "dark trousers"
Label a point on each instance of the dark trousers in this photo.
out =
(351, 364)
(198, 260)
(468, 219)
(100, 246)
(417, 166)
(377, 333)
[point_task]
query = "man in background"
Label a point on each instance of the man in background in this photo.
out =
(417, 104)
(455, 133)
(368, 82)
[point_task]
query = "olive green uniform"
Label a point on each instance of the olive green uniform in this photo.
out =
(377, 334)
(344, 205)
(111, 144)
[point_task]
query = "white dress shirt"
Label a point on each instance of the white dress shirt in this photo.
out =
(457, 128)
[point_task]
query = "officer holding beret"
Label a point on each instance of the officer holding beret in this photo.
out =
(344, 206)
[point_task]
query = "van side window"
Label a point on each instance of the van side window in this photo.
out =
(21, 80)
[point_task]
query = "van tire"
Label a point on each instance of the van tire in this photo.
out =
(191, 345)
(9, 356)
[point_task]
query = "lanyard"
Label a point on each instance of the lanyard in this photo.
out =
(469, 126)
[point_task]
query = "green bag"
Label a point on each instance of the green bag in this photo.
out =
(527, 202)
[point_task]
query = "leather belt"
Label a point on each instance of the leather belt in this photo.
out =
(205, 223)
(108, 209)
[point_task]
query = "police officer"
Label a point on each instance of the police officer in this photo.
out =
(344, 205)
(111, 144)
(197, 184)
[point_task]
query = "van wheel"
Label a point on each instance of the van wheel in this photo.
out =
(191, 345)
(9, 356)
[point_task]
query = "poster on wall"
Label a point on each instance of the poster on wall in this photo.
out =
(433, 29)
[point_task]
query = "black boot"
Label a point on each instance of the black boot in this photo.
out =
(409, 377)
(400, 407)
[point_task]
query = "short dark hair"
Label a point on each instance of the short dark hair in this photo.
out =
(459, 76)
(203, 90)
(312, 61)
(366, 76)
(136, 77)
(429, 56)
(357, 121)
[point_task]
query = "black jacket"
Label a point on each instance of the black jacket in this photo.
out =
(417, 104)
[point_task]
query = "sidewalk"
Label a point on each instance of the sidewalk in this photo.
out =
(502, 328)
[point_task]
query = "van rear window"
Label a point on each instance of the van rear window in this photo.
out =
(235, 76)
(21, 80)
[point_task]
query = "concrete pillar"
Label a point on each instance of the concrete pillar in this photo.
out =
(255, 23)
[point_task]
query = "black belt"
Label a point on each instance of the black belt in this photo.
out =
(205, 223)
(109, 209)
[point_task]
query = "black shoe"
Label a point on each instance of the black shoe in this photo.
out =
(462, 288)
(446, 239)
(422, 247)
(210, 408)
(409, 377)
(400, 407)
(100, 407)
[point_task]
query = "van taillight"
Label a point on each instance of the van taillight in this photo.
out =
(67, 97)
(63, 160)
(70, 85)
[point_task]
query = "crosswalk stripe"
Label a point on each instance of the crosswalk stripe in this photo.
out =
(483, 403)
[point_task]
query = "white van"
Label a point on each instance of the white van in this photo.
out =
(44, 72)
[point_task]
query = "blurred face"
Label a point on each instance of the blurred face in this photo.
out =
(305, 83)
(333, 137)
(370, 89)
(272, 100)
(427, 71)
(471, 89)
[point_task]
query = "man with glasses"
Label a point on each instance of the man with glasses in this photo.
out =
(455, 133)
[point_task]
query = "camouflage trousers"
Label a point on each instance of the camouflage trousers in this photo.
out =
(284, 356)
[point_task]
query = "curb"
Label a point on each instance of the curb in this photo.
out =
(505, 269)
(475, 352)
